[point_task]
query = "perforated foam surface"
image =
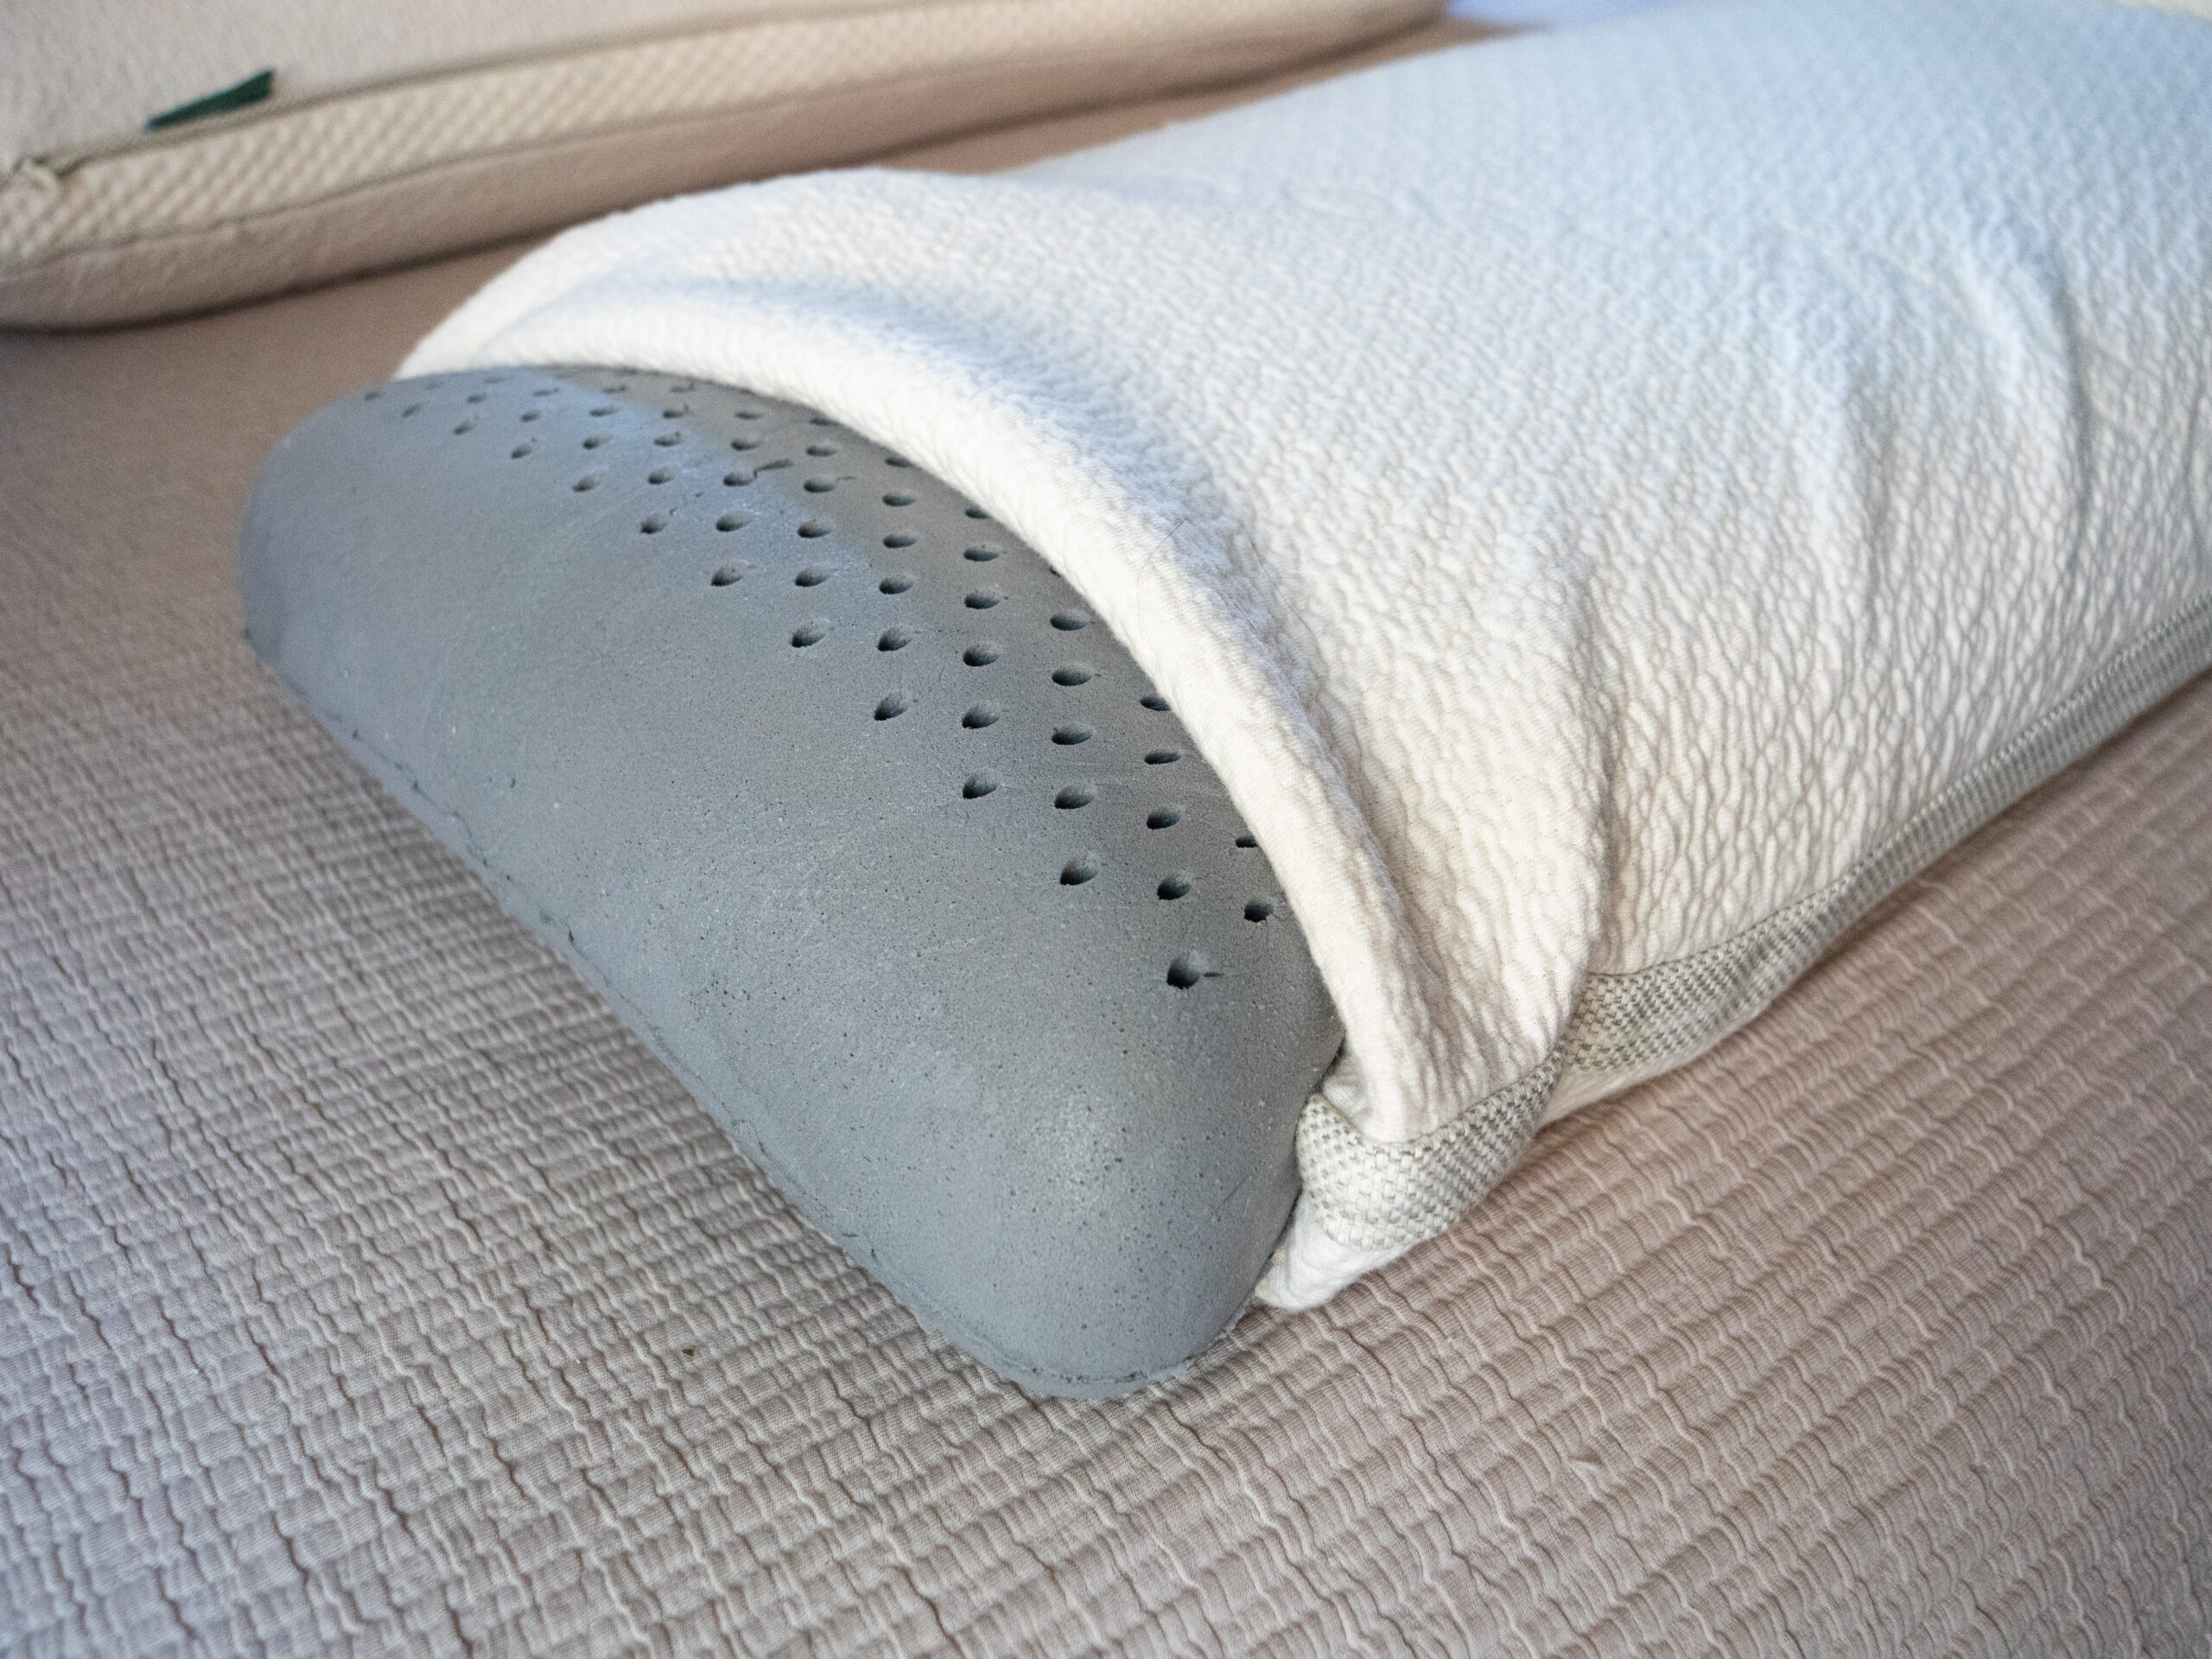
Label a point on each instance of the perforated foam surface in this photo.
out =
(851, 807)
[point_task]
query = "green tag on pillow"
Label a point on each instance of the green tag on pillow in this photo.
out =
(252, 90)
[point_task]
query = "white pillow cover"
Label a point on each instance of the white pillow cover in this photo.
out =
(1611, 505)
(385, 133)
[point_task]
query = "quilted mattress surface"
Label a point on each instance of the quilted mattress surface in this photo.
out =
(369, 1289)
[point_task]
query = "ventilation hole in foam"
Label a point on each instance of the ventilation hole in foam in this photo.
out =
(745, 443)
(1163, 818)
(466, 426)
(982, 598)
(669, 440)
(654, 524)
(547, 392)
(897, 461)
(412, 409)
(813, 528)
(977, 512)
(682, 385)
(660, 474)
(820, 486)
(588, 481)
(1174, 886)
(1258, 910)
(1076, 871)
(821, 448)
(677, 413)
(748, 414)
(813, 576)
(1162, 758)
(737, 480)
(1247, 842)
(901, 539)
(981, 554)
(478, 396)
(604, 409)
(979, 656)
(1188, 970)
(820, 420)
(982, 715)
(1068, 736)
(978, 786)
(596, 440)
(373, 394)
(893, 639)
(893, 706)
(520, 450)
(732, 521)
(1065, 622)
(529, 415)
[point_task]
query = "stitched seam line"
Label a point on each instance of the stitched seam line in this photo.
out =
(1372, 1194)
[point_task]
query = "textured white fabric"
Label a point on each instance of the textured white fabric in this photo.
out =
(1595, 498)
(303, 149)
(416, 126)
(90, 72)
(87, 74)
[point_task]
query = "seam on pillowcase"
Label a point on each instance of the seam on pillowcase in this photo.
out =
(37, 241)
(67, 159)
(1372, 1194)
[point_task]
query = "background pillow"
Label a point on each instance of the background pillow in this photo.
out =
(164, 159)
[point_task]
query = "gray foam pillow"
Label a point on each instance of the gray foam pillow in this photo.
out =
(851, 809)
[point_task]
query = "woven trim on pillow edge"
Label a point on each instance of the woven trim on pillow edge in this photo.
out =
(275, 156)
(1374, 1194)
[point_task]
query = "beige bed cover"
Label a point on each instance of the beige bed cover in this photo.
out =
(369, 1288)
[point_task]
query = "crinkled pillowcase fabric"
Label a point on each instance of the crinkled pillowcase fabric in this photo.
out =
(373, 135)
(1610, 504)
